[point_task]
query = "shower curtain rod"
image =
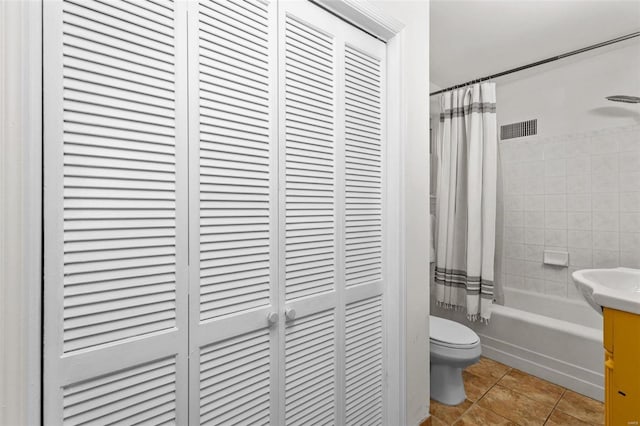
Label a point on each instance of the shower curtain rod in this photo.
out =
(542, 62)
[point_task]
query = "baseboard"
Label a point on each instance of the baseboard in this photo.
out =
(426, 422)
(570, 376)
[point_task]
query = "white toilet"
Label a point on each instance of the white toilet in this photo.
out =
(453, 347)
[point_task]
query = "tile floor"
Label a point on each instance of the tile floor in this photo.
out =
(501, 395)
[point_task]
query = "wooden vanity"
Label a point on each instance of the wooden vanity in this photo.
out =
(622, 367)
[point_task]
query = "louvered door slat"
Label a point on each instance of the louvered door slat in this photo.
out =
(101, 37)
(243, 19)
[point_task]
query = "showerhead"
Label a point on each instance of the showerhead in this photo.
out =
(625, 99)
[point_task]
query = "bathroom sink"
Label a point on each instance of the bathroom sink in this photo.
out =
(617, 288)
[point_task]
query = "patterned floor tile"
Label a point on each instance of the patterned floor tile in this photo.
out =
(478, 416)
(476, 386)
(448, 413)
(515, 406)
(532, 387)
(488, 368)
(581, 407)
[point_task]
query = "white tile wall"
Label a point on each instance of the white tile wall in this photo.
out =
(577, 192)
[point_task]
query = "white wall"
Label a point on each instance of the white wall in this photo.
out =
(569, 95)
(415, 15)
(575, 187)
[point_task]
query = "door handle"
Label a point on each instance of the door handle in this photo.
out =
(290, 314)
(272, 318)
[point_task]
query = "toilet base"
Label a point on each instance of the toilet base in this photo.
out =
(447, 386)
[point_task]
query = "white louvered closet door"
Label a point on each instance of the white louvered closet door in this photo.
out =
(213, 214)
(233, 218)
(115, 322)
(331, 221)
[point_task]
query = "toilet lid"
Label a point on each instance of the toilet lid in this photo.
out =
(451, 332)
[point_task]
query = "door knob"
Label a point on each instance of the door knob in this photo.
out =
(272, 318)
(290, 314)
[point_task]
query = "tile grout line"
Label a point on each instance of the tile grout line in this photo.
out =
(481, 396)
(564, 390)
(535, 400)
(493, 386)
(555, 408)
(522, 394)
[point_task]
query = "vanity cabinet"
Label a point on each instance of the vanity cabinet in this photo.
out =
(622, 367)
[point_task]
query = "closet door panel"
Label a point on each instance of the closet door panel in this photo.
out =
(234, 160)
(233, 234)
(115, 213)
(234, 385)
(310, 365)
(309, 163)
(363, 224)
(363, 168)
(332, 263)
(364, 362)
(308, 201)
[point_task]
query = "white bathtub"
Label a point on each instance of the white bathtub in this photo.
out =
(554, 338)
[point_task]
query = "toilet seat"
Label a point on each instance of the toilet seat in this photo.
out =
(450, 334)
(452, 345)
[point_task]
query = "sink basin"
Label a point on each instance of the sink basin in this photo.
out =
(617, 288)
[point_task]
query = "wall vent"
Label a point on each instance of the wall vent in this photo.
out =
(518, 130)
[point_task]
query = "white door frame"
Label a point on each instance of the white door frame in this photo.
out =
(20, 211)
(21, 207)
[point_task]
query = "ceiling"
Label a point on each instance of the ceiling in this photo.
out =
(471, 39)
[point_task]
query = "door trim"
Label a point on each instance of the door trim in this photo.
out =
(365, 16)
(20, 211)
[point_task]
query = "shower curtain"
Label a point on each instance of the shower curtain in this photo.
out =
(466, 200)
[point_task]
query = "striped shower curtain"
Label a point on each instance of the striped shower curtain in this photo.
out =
(466, 200)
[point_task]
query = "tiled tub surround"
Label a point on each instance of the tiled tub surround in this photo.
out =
(578, 193)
